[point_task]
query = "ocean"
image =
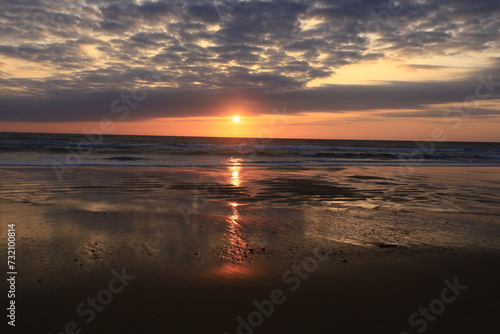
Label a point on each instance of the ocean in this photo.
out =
(36, 149)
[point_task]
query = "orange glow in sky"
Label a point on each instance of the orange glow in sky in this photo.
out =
(266, 127)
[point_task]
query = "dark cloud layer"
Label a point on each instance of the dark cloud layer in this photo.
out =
(193, 55)
(148, 102)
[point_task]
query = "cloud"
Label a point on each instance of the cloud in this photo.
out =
(203, 52)
(439, 113)
(425, 67)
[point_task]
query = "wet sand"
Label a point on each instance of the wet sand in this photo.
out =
(352, 250)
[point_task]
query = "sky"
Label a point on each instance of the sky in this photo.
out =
(346, 69)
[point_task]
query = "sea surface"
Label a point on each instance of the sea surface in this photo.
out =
(35, 149)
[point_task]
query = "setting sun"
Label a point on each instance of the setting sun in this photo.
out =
(236, 119)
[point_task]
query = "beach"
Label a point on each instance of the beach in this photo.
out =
(250, 167)
(254, 249)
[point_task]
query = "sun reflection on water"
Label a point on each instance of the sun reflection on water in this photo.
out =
(235, 168)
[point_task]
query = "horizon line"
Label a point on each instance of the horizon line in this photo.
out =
(282, 138)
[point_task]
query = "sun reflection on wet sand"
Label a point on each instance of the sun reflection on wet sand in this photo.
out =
(236, 215)
(236, 243)
(235, 253)
(231, 270)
